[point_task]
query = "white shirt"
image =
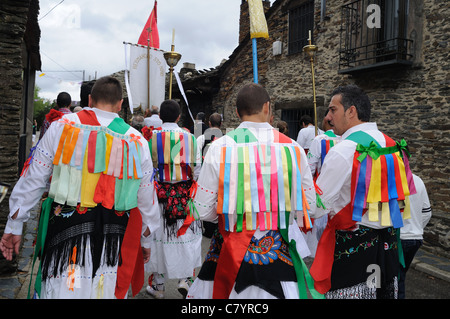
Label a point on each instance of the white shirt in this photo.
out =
(420, 212)
(335, 176)
(306, 135)
(315, 151)
(153, 120)
(30, 187)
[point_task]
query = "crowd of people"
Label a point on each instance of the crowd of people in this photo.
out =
(120, 201)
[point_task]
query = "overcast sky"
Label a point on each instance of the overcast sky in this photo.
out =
(88, 35)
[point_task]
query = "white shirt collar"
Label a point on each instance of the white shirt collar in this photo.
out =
(169, 125)
(104, 114)
(256, 125)
(368, 126)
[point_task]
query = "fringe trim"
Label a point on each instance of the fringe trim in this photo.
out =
(57, 258)
(362, 291)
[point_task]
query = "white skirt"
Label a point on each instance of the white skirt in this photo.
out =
(203, 289)
(177, 257)
(78, 283)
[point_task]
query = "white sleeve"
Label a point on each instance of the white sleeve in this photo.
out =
(198, 160)
(426, 206)
(147, 198)
(31, 185)
(334, 174)
(314, 155)
(307, 182)
(205, 200)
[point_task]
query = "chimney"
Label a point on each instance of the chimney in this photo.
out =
(244, 19)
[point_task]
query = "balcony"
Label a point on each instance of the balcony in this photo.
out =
(373, 35)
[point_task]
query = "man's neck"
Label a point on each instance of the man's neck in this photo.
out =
(258, 118)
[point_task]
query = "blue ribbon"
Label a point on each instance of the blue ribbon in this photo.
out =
(226, 186)
(83, 149)
(323, 150)
(160, 152)
(134, 158)
(396, 217)
(360, 192)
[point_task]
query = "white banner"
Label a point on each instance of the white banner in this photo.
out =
(138, 89)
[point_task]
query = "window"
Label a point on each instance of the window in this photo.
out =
(301, 20)
(374, 35)
(292, 118)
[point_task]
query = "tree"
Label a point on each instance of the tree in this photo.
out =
(41, 107)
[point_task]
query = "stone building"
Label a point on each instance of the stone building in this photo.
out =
(397, 51)
(19, 61)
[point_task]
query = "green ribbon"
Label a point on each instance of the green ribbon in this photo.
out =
(374, 151)
(319, 202)
(403, 146)
(301, 270)
(40, 243)
(192, 209)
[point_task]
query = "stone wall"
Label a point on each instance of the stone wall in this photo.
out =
(410, 103)
(19, 60)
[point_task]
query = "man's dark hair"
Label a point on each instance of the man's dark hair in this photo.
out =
(251, 99)
(215, 120)
(306, 119)
(85, 90)
(354, 95)
(107, 90)
(63, 100)
(169, 111)
(200, 116)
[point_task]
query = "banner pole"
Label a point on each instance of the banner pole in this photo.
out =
(255, 60)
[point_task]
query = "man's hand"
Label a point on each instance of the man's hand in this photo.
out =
(10, 243)
(146, 253)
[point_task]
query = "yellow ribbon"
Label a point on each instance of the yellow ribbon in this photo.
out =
(374, 194)
(100, 287)
(385, 214)
(88, 184)
(247, 189)
(407, 209)
(109, 142)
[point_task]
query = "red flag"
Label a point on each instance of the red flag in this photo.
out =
(149, 35)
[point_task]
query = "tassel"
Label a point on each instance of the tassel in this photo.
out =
(71, 270)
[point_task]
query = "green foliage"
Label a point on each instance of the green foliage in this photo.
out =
(41, 107)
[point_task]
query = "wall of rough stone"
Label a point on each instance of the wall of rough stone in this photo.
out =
(410, 103)
(13, 20)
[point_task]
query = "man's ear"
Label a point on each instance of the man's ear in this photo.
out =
(119, 105)
(352, 112)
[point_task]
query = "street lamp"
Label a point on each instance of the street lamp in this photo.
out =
(311, 50)
(172, 59)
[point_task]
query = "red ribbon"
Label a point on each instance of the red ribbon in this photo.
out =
(131, 271)
(190, 216)
(234, 246)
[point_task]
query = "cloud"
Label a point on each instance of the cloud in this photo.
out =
(88, 35)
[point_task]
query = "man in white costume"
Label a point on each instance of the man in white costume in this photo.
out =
(307, 132)
(92, 218)
(318, 149)
(411, 234)
(257, 250)
(176, 246)
(359, 234)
